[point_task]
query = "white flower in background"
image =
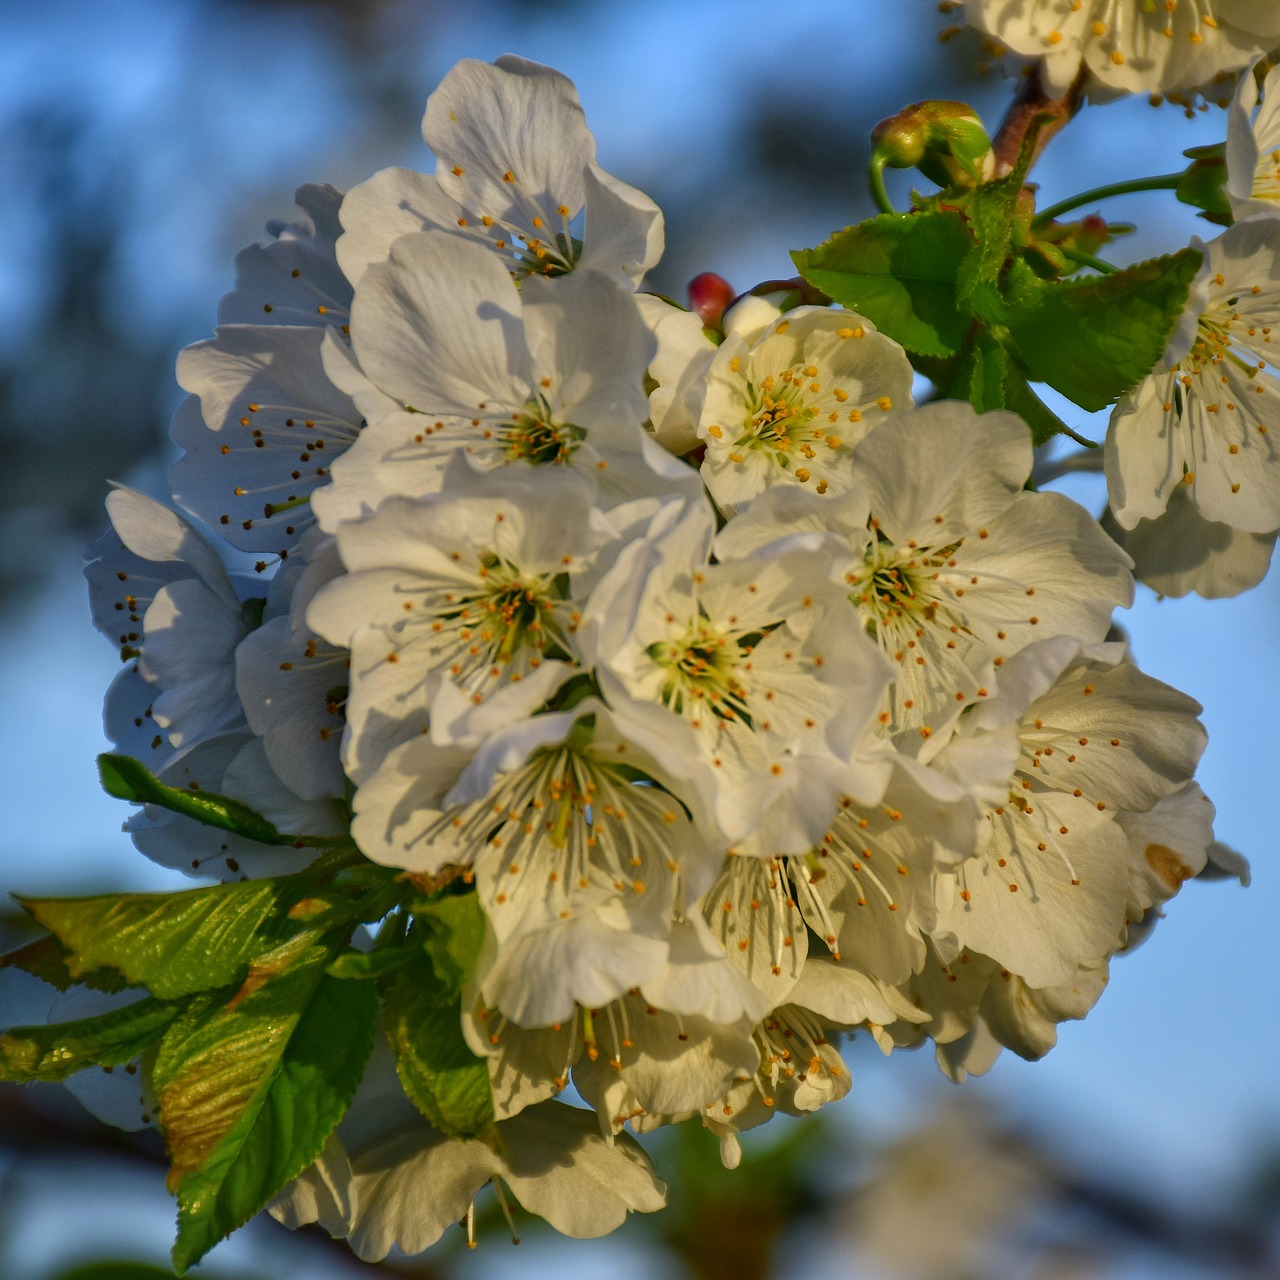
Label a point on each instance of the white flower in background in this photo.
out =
(176, 610)
(648, 1062)
(388, 1180)
(293, 685)
(949, 564)
(232, 764)
(452, 356)
(788, 407)
(294, 279)
(1048, 893)
(261, 431)
(1180, 552)
(1253, 146)
(161, 591)
(515, 170)
(268, 421)
(677, 372)
(1210, 420)
(1132, 46)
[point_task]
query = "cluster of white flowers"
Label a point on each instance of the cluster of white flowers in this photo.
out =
(756, 706)
(1193, 452)
(1180, 48)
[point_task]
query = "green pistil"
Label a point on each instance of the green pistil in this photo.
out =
(274, 508)
(536, 440)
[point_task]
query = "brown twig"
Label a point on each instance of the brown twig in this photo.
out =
(1034, 102)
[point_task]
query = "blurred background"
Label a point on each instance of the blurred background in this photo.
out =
(141, 144)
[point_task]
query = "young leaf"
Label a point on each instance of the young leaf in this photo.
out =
(981, 373)
(249, 1093)
(47, 959)
(126, 779)
(456, 930)
(174, 944)
(57, 1050)
(992, 212)
(442, 1077)
(1095, 339)
(898, 270)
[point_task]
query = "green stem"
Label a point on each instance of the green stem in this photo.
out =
(1165, 182)
(1087, 260)
(875, 176)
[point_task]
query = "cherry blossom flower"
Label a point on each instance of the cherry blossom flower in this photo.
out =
(1209, 419)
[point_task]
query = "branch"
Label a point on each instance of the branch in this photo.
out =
(1034, 102)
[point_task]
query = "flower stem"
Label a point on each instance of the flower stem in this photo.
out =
(875, 178)
(1164, 182)
(1088, 260)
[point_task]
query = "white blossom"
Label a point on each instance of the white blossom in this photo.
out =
(1210, 419)
(1253, 146)
(788, 407)
(400, 1183)
(1131, 46)
(516, 167)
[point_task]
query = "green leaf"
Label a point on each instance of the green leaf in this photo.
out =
(121, 1271)
(989, 377)
(1094, 339)
(898, 270)
(57, 1050)
(358, 966)
(1044, 423)
(981, 372)
(442, 1077)
(455, 932)
(992, 212)
(174, 944)
(249, 1093)
(47, 959)
(127, 779)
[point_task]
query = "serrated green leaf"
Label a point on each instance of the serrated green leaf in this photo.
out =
(455, 927)
(1094, 339)
(981, 372)
(126, 779)
(54, 1051)
(442, 1077)
(898, 270)
(173, 944)
(1044, 423)
(47, 959)
(990, 215)
(249, 1093)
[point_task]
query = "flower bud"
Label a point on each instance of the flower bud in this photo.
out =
(709, 295)
(944, 140)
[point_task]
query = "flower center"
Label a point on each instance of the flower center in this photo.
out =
(701, 669)
(777, 410)
(896, 589)
(511, 621)
(534, 438)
